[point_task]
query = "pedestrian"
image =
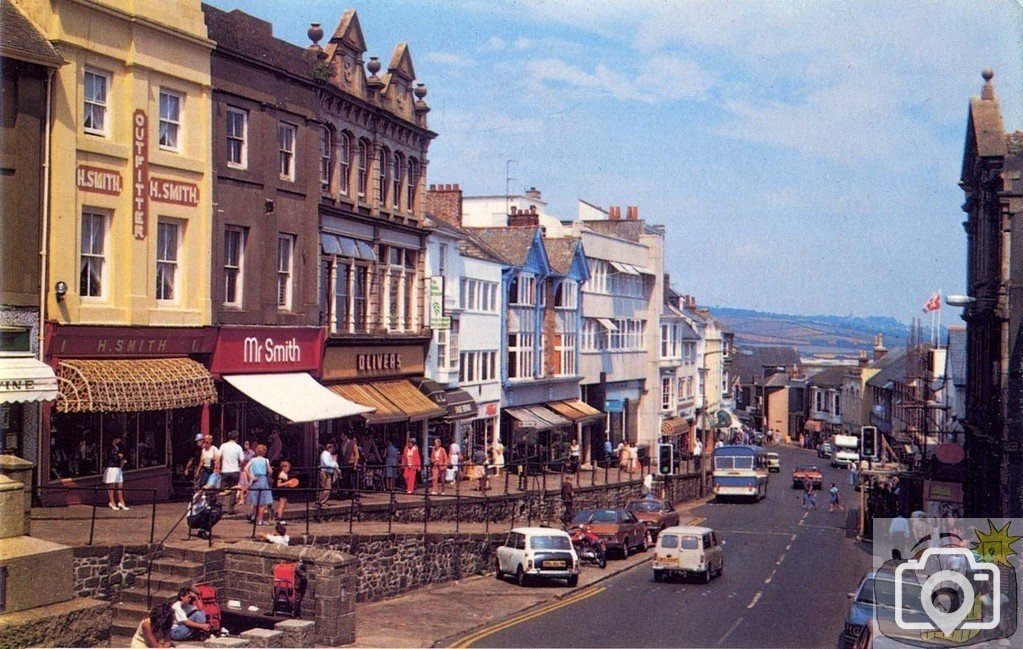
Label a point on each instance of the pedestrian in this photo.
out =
(698, 454)
(719, 444)
(275, 446)
(258, 471)
(391, 462)
(898, 531)
(608, 450)
(279, 536)
(353, 462)
(204, 512)
(574, 456)
(411, 464)
(345, 468)
(438, 464)
(454, 457)
(648, 485)
(189, 618)
(479, 460)
(497, 452)
(284, 484)
(230, 463)
(113, 474)
(836, 499)
(243, 476)
(155, 629)
(191, 469)
(809, 499)
(207, 461)
(567, 502)
(328, 469)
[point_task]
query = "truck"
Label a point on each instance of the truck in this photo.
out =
(846, 451)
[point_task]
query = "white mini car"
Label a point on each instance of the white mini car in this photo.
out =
(538, 553)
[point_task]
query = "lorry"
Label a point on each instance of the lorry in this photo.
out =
(846, 451)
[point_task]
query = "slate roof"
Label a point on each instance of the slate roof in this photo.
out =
(687, 332)
(512, 244)
(748, 362)
(777, 380)
(238, 32)
(468, 244)
(957, 355)
(893, 370)
(22, 41)
(561, 252)
(829, 377)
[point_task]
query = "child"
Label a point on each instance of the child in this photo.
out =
(280, 535)
(836, 501)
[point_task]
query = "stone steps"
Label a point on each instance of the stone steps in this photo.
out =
(178, 567)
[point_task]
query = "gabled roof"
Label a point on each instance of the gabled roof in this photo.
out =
(348, 33)
(401, 63)
(748, 362)
(777, 380)
(957, 355)
(468, 244)
(686, 332)
(829, 377)
(561, 252)
(985, 131)
(513, 245)
(22, 41)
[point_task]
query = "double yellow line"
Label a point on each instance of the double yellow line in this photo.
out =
(470, 640)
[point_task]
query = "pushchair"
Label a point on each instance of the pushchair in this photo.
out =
(210, 606)
(204, 512)
(289, 588)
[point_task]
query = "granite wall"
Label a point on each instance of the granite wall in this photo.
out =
(102, 571)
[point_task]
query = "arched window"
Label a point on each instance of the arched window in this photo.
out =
(410, 184)
(363, 166)
(325, 161)
(397, 163)
(382, 164)
(344, 156)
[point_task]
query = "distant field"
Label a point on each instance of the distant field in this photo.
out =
(812, 334)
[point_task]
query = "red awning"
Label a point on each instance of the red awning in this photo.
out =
(814, 425)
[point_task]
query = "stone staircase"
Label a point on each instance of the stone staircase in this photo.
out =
(175, 569)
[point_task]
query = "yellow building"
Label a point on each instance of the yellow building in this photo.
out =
(130, 217)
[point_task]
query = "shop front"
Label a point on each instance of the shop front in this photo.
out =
(460, 409)
(383, 377)
(268, 393)
(25, 382)
(147, 386)
(532, 431)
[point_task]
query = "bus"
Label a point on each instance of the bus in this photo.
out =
(740, 471)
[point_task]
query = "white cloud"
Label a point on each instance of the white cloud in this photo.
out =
(448, 58)
(493, 44)
(664, 78)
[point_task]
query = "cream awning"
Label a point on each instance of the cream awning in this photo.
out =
(295, 396)
(24, 378)
(135, 385)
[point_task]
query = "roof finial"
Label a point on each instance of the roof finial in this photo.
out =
(988, 91)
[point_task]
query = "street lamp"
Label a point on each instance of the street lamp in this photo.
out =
(959, 300)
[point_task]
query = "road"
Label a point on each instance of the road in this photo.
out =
(785, 583)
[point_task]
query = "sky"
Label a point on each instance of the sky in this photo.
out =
(803, 156)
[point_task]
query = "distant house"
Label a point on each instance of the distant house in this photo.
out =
(752, 366)
(824, 403)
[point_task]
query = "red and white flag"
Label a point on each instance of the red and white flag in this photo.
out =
(933, 304)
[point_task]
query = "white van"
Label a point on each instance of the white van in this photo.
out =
(687, 550)
(846, 451)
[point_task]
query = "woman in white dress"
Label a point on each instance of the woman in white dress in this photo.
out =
(454, 456)
(497, 451)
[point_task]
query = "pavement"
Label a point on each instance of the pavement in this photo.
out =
(785, 583)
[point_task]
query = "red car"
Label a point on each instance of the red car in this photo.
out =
(654, 513)
(803, 473)
(620, 530)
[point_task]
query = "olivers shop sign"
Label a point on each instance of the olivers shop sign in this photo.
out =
(342, 363)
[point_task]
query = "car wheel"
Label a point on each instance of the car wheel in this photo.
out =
(499, 574)
(658, 576)
(706, 575)
(520, 576)
(625, 549)
(601, 559)
(573, 581)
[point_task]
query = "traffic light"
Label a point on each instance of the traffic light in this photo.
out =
(868, 442)
(666, 458)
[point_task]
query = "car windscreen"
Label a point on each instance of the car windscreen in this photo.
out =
(882, 593)
(582, 517)
(690, 542)
(646, 506)
(807, 469)
(604, 516)
(723, 463)
(669, 541)
(549, 543)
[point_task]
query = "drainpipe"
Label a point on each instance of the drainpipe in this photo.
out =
(42, 423)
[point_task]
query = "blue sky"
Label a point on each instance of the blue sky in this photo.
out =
(803, 155)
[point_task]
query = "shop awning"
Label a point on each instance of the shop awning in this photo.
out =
(411, 401)
(134, 385)
(674, 426)
(23, 378)
(296, 396)
(576, 410)
(460, 405)
(555, 420)
(364, 393)
(812, 425)
(644, 271)
(432, 389)
(527, 420)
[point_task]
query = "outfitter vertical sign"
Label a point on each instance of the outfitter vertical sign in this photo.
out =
(140, 173)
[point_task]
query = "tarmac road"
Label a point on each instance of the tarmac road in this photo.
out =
(785, 583)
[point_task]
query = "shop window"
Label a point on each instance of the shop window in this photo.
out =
(12, 429)
(80, 439)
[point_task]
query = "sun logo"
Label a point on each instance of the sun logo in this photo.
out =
(995, 545)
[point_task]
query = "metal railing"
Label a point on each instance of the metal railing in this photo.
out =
(97, 493)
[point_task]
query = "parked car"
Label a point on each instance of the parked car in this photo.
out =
(688, 550)
(874, 599)
(656, 514)
(619, 528)
(538, 553)
(806, 471)
(824, 450)
(773, 462)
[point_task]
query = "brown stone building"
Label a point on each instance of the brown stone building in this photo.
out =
(27, 61)
(991, 181)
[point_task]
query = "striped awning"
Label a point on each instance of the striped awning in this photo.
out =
(674, 426)
(135, 385)
(395, 401)
(576, 410)
(363, 393)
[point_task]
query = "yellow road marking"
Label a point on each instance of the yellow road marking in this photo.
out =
(697, 521)
(507, 624)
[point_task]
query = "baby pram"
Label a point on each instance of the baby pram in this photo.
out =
(289, 588)
(204, 512)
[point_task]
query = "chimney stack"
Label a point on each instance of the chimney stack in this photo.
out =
(523, 218)
(863, 360)
(879, 349)
(614, 213)
(444, 202)
(534, 194)
(632, 213)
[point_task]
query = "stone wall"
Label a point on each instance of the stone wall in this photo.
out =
(102, 571)
(389, 565)
(76, 623)
(329, 598)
